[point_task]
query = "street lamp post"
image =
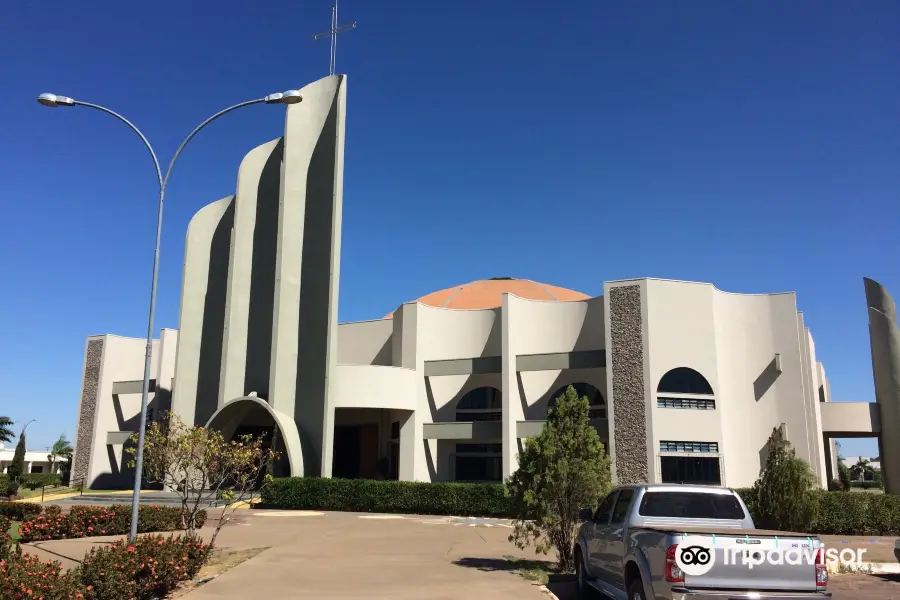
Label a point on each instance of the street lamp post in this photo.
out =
(53, 100)
(27, 424)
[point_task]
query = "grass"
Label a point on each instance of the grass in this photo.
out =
(14, 531)
(538, 571)
(220, 561)
(48, 492)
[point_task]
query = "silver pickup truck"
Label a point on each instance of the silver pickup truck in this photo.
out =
(630, 548)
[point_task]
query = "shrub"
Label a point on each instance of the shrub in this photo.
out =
(6, 542)
(33, 481)
(88, 521)
(408, 497)
(20, 511)
(149, 567)
(841, 513)
(786, 493)
(26, 576)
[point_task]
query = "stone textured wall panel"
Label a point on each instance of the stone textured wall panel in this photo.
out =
(629, 398)
(89, 390)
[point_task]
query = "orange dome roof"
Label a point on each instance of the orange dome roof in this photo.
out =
(488, 293)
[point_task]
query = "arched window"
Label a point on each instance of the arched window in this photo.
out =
(692, 389)
(595, 399)
(480, 404)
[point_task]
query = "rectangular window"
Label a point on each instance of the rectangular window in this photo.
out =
(687, 505)
(479, 448)
(700, 447)
(37, 468)
(395, 430)
(478, 462)
(479, 468)
(691, 469)
(695, 403)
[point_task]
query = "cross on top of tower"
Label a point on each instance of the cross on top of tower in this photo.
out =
(335, 31)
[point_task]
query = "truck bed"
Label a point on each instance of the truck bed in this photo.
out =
(730, 531)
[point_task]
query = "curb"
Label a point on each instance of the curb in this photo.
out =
(549, 594)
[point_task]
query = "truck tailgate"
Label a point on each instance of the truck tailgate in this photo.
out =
(753, 560)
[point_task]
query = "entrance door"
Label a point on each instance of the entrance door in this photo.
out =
(346, 452)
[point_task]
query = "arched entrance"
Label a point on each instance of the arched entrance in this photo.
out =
(255, 416)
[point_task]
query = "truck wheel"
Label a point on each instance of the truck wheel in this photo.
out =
(636, 591)
(584, 590)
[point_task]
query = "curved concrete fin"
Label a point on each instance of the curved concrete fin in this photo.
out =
(307, 266)
(884, 337)
(202, 312)
(248, 306)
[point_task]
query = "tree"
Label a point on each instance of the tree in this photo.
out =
(17, 466)
(61, 448)
(202, 467)
(786, 492)
(6, 432)
(862, 470)
(563, 469)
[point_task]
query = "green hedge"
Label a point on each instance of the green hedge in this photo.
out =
(405, 497)
(848, 513)
(20, 511)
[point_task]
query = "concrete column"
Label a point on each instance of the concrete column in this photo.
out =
(412, 451)
(240, 274)
(512, 403)
(27, 468)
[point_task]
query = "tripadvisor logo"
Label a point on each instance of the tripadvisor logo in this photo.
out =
(695, 556)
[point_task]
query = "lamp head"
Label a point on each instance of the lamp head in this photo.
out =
(288, 97)
(52, 100)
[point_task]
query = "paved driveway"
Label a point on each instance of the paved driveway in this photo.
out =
(345, 555)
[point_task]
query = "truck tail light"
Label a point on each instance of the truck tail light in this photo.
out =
(674, 574)
(821, 569)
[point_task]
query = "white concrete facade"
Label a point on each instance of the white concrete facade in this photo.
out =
(411, 371)
(687, 382)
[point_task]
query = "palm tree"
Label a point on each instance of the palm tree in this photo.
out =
(862, 470)
(6, 432)
(61, 448)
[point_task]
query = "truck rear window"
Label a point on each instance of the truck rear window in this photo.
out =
(690, 505)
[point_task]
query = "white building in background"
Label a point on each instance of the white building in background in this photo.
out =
(36, 461)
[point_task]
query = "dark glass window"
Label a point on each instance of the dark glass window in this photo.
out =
(687, 505)
(622, 505)
(480, 404)
(696, 403)
(478, 462)
(691, 469)
(605, 508)
(705, 447)
(684, 381)
(395, 430)
(595, 399)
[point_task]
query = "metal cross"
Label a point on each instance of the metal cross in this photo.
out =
(335, 31)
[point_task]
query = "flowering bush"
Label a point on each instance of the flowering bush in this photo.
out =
(6, 542)
(88, 521)
(26, 576)
(149, 567)
(20, 511)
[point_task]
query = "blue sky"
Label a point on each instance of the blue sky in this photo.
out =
(750, 144)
